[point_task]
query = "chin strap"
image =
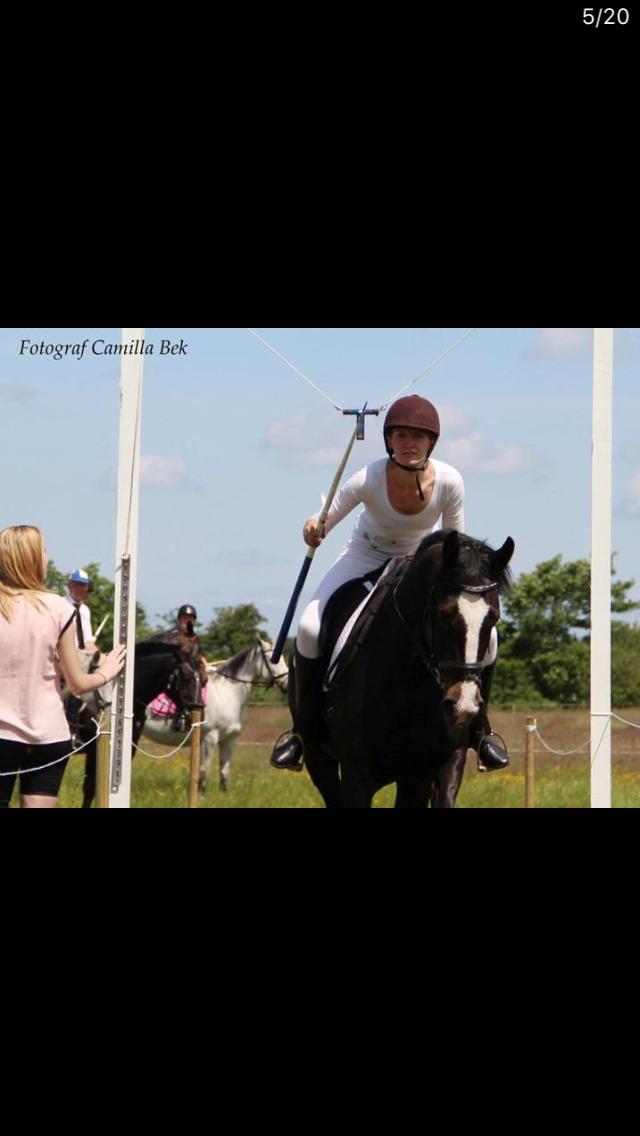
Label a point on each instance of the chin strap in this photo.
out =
(412, 469)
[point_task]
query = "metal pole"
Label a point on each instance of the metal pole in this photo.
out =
(124, 616)
(601, 569)
(529, 764)
(194, 768)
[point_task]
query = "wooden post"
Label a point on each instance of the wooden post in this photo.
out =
(103, 747)
(529, 765)
(194, 769)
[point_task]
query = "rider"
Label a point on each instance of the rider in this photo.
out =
(406, 496)
(79, 585)
(184, 637)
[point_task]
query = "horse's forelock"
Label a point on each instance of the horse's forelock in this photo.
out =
(473, 563)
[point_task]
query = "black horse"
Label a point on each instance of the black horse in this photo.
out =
(407, 694)
(159, 667)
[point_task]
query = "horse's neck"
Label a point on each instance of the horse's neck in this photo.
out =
(248, 673)
(146, 686)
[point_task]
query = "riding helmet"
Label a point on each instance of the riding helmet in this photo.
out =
(412, 411)
(187, 609)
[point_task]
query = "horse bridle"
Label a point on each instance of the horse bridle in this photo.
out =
(431, 658)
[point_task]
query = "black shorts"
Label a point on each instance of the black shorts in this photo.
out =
(41, 782)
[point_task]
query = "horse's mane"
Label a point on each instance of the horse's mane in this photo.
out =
(149, 647)
(473, 563)
(234, 665)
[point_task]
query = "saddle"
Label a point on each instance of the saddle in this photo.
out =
(377, 586)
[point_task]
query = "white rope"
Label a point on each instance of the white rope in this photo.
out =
(411, 382)
(430, 367)
(561, 752)
(164, 756)
(294, 368)
(635, 725)
(568, 752)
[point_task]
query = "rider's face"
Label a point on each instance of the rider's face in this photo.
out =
(410, 445)
(78, 592)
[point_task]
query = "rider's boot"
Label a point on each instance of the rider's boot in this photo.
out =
(288, 752)
(481, 738)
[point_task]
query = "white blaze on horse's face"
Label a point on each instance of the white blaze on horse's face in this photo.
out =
(474, 611)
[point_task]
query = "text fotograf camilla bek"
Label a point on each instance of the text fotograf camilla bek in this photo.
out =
(102, 347)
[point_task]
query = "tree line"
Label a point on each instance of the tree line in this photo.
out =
(544, 634)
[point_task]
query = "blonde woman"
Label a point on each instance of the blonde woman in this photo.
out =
(37, 642)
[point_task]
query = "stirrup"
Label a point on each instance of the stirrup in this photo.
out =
(288, 758)
(494, 756)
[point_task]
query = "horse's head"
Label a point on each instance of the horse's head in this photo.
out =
(464, 579)
(183, 683)
(278, 672)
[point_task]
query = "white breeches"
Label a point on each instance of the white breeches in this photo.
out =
(356, 560)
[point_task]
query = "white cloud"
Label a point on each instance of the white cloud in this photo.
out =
(561, 342)
(454, 421)
(163, 473)
(301, 441)
(308, 439)
(17, 392)
(478, 453)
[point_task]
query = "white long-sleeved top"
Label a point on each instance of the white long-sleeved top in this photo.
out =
(381, 526)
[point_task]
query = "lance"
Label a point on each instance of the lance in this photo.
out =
(304, 571)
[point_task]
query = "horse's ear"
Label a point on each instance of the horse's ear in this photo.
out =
(450, 551)
(501, 558)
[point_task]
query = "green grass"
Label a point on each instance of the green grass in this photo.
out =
(254, 785)
(561, 782)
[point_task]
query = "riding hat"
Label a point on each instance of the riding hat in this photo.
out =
(412, 411)
(419, 414)
(187, 609)
(79, 576)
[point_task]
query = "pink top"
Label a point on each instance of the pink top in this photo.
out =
(31, 707)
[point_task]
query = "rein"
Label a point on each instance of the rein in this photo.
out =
(433, 663)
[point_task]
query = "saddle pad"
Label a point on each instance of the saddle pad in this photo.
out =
(163, 707)
(390, 569)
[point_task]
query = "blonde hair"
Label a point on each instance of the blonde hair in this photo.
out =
(21, 573)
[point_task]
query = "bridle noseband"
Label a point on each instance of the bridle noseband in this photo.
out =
(431, 657)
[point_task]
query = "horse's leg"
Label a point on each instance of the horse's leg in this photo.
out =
(207, 747)
(227, 747)
(413, 794)
(449, 780)
(356, 790)
(325, 774)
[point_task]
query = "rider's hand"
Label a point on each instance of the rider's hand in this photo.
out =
(310, 533)
(113, 663)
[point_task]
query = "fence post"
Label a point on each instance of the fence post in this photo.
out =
(103, 748)
(529, 764)
(194, 768)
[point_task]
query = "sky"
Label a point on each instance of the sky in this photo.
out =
(237, 450)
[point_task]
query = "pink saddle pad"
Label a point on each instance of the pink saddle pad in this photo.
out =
(162, 706)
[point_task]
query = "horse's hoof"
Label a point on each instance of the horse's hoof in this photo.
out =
(223, 785)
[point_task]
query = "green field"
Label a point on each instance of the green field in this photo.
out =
(561, 782)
